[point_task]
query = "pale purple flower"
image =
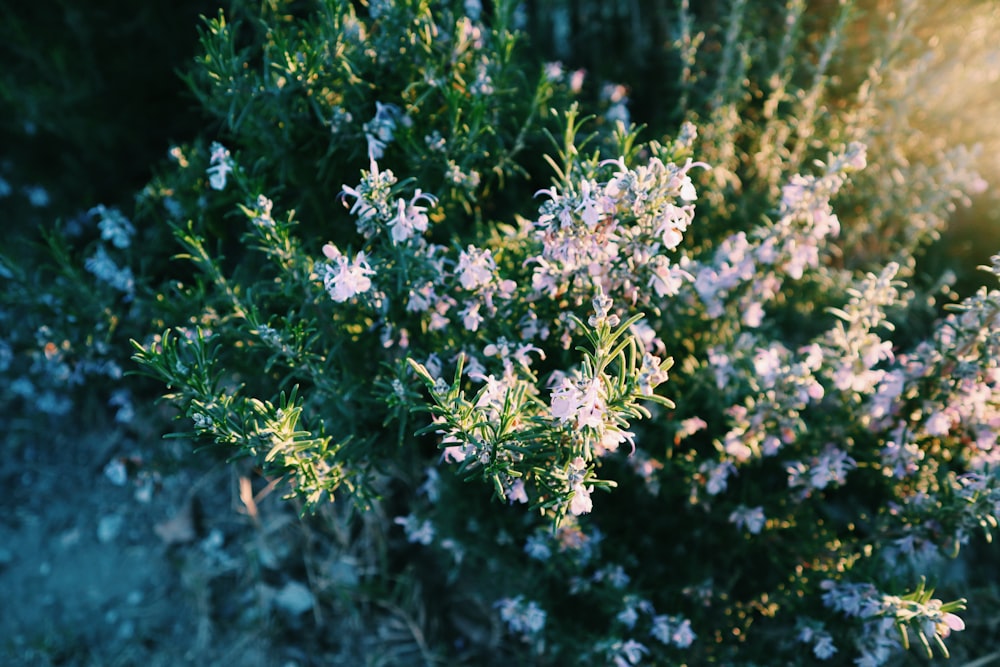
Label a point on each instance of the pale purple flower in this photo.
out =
(629, 653)
(628, 617)
(667, 279)
(343, 278)
(751, 518)
(379, 131)
(718, 476)
(410, 218)
(471, 317)
(475, 268)
(938, 424)
(564, 400)
(581, 502)
(516, 492)
(522, 617)
(662, 628)
(592, 407)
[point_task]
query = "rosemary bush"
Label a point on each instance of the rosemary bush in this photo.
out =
(640, 396)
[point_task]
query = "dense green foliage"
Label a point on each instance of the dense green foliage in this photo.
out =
(410, 265)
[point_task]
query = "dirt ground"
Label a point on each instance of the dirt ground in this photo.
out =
(146, 568)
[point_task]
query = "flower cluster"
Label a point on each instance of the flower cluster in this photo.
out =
(615, 234)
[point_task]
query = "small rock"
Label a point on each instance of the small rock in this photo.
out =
(70, 538)
(294, 598)
(109, 527)
(116, 472)
(126, 630)
(344, 572)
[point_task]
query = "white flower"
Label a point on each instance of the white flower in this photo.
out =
(592, 406)
(938, 424)
(344, 279)
(221, 165)
(581, 502)
(471, 317)
(688, 193)
(410, 217)
(517, 493)
(565, 401)
(475, 268)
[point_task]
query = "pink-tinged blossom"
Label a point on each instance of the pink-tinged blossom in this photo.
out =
(673, 630)
(667, 279)
(475, 268)
(471, 317)
(592, 408)
(938, 424)
(735, 445)
(343, 278)
(901, 460)
(581, 502)
(516, 492)
(753, 315)
(458, 452)
(410, 218)
(829, 468)
(439, 316)
(689, 427)
(672, 225)
(611, 439)
(581, 403)
(683, 636)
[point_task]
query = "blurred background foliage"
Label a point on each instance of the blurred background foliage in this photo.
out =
(91, 96)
